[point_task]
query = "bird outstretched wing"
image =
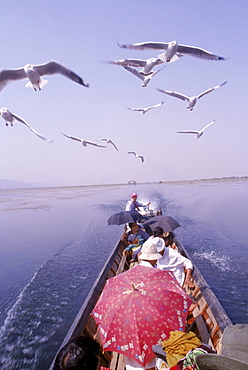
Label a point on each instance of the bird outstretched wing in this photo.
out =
(175, 94)
(53, 67)
(73, 137)
(8, 75)
(19, 119)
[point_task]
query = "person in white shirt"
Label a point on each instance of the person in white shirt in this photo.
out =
(134, 205)
(172, 260)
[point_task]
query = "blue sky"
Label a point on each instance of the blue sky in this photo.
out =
(82, 35)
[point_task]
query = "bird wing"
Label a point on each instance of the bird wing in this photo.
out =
(204, 128)
(136, 109)
(72, 137)
(52, 67)
(114, 145)
(19, 119)
(188, 132)
(130, 62)
(141, 157)
(211, 89)
(175, 94)
(136, 73)
(150, 45)
(131, 153)
(8, 75)
(109, 141)
(94, 144)
(155, 106)
(197, 52)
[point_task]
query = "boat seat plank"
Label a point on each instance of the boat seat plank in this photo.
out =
(117, 362)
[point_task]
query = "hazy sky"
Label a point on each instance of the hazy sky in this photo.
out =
(82, 35)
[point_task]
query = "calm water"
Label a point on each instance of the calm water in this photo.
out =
(54, 243)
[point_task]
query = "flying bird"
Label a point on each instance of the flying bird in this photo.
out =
(109, 141)
(197, 133)
(145, 78)
(11, 117)
(147, 65)
(173, 50)
(83, 141)
(137, 156)
(192, 100)
(145, 110)
(34, 73)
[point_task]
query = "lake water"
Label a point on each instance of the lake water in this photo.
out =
(54, 242)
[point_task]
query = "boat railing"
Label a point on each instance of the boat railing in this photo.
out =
(209, 318)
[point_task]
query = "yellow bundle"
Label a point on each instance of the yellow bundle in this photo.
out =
(178, 345)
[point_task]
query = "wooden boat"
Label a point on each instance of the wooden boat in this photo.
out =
(208, 320)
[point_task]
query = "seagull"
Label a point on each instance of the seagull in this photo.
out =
(109, 141)
(11, 117)
(197, 133)
(145, 78)
(34, 73)
(192, 100)
(147, 65)
(173, 50)
(84, 142)
(137, 156)
(145, 110)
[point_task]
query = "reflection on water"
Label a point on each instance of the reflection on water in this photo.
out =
(54, 242)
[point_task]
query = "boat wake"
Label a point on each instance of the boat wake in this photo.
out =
(39, 311)
(218, 261)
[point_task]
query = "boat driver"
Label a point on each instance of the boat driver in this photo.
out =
(134, 205)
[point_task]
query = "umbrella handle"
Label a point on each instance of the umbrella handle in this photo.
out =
(133, 286)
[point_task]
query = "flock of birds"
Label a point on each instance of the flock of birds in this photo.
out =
(172, 51)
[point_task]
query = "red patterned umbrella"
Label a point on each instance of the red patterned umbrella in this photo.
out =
(138, 308)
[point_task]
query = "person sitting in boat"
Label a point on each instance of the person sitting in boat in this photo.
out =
(135, 247)
(135, 229)
(169, 240)
(82, 352)
(134, 205)
(157, 237)
(149, 254)
(181, 266)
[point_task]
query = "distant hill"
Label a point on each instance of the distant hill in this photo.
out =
(11, 184)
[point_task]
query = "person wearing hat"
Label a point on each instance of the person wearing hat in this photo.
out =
(149, 253)
(181, 266)
(134, 205)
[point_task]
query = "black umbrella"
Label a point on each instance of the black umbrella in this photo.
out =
(125, 217)
(166, 222)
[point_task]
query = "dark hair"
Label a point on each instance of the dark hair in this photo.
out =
(158, 231)
(132, 223)
(80, 353)
(169, 236)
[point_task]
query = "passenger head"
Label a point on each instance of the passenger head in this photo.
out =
(158, 231)
(168, 238)
(134, 227)
(149, 251)
(80, 353)
(160, 244)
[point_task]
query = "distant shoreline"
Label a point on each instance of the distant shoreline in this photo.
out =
(35, 188)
